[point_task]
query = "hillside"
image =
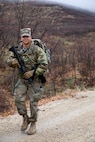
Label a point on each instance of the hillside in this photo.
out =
(63, 21)
(44, 19)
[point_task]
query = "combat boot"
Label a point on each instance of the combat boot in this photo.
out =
(32, 129)
(25, 123)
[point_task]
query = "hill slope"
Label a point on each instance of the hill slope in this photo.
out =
(58, 20)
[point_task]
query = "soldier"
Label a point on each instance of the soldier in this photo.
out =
(32, 55)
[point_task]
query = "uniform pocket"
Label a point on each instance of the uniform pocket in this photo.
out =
(39, 94)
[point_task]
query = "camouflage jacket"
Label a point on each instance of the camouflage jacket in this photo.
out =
(31, 56)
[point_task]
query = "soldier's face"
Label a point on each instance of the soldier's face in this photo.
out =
(26, 40)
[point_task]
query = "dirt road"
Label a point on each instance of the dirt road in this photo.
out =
(66, 120)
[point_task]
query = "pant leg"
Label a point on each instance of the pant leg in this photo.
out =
(35, 94)
(20, 97)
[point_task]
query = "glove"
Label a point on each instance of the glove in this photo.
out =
(15, 63)
(28, 74)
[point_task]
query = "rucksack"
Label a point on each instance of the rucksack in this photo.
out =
(41, 44)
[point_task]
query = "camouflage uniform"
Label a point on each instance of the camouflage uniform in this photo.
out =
(31, 56)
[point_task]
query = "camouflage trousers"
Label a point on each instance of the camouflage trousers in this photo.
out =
(35, 93)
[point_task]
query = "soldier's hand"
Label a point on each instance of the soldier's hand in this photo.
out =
(15, 63)
(28, 74)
